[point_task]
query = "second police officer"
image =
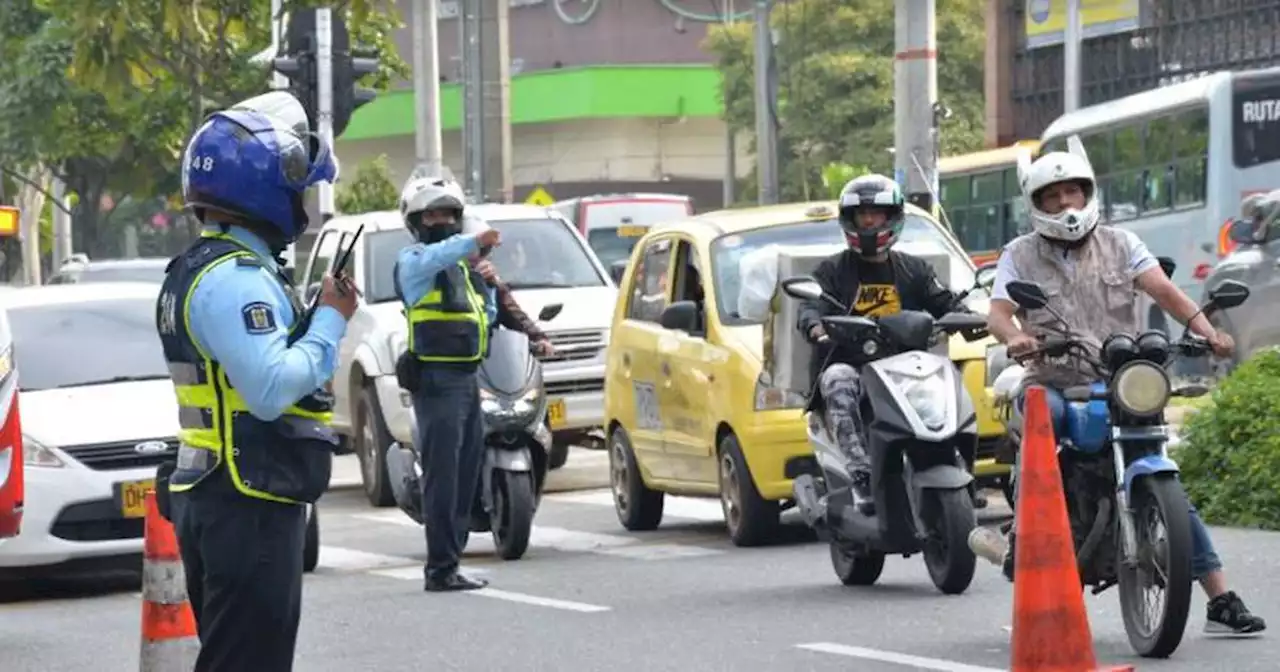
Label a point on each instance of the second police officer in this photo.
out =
(450, 309)
(255, 445)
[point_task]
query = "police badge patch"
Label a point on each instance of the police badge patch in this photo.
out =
(259, 318)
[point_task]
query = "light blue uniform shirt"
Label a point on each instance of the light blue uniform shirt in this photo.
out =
(268, 374)
(421, 263)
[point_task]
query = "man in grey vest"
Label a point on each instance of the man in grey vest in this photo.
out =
(1091, 275)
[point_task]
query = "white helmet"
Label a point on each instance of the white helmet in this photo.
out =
(1071, 224)
(438, 192)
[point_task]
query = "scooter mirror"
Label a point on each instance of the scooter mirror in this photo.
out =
(550, 311)
(1229, 294)
(1029, 295)
(985, 275)
(802, 288)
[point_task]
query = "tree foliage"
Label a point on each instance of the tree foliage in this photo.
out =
(105, 92)
(370, 190)
(835, 65)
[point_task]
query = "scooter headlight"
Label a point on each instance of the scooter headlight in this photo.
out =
(1141, 388)
(927, 396)
(520, 410)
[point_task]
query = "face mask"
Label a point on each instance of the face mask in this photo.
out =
(439, 233)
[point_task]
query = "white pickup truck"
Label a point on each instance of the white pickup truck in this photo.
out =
(542, 258)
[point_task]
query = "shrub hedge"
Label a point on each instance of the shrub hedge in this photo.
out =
(1230, 453)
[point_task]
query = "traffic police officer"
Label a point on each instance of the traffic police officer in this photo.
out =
(450, 309)
(254, 440)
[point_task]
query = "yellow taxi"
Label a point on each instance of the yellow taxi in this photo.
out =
(685, 409)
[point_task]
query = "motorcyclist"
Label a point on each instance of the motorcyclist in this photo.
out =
(1066, 244)
(873, 280)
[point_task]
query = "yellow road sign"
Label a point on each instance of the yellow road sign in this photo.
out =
(539, 196)
(8, 220)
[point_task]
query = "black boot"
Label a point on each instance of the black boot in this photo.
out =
(862, 497)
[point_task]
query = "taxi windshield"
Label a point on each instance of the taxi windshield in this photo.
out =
(919, 236)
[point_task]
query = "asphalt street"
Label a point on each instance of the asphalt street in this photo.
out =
(591, 596)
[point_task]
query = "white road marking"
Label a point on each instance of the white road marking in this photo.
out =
(691, 508)
(348, 559)
(538, 601)
(903, 659)
(564, 540)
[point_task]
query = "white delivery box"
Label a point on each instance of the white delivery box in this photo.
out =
(787, 353)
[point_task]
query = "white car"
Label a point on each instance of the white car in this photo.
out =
(99, 415)
(542, 257)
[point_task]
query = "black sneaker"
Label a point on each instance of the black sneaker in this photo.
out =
(862, 498)
(1228, 616)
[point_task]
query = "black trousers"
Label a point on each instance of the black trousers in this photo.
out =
(450, 442)
(243, 560)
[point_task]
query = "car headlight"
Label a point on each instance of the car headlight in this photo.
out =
(36, 454)
(927, 396)
(997, 361)
(770, 398)
(1141, 388)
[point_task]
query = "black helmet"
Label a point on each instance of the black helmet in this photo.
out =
(871, 192)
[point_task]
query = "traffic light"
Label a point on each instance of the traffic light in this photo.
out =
(299, 63)
(349, 66)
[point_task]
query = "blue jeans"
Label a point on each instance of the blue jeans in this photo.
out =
(1204, 559)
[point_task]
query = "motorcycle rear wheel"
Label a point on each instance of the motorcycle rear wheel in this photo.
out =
(947, 556)
(512, 516)
(856, 569)
(1162, 495)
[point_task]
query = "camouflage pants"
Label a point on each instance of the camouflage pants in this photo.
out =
(841, 388)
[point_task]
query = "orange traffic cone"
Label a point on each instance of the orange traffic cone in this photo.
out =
(1050, 624)
(169, 641)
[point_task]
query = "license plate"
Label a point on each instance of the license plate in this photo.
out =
(133, 497)
(632, 231)
(556, 414)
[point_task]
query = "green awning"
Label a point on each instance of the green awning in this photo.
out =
(596, 92)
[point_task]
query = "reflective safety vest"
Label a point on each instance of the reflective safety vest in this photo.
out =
(450, 324)
(285, 460)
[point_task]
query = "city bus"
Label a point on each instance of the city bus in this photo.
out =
(980, 196)
(1173, 163)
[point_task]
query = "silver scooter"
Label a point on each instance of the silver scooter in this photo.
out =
(920, 422)
(517, 443)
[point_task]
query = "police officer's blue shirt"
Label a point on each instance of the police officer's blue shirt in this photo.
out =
(229, 322)
(421, 263)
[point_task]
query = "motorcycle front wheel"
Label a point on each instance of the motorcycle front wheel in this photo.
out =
(947, 556)
(512, 515)
(1163, 569)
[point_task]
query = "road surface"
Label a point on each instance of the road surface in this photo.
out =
(590, 596)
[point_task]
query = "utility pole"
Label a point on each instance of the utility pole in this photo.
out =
(1071, 44)
(426, 84)
(278, 79)
(915, 101)
(324, 99)
(766, 107)
(487, 100)
(729, 194)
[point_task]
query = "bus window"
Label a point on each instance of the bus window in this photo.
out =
(1255, 127)
(1191, 156)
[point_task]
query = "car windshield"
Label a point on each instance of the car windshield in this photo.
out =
(614, 245)
(86, 343)
(919, 236)
(534, 254)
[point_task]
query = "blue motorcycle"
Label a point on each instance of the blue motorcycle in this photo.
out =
(1127, 508)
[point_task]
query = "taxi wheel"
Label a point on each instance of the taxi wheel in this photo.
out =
(372, 439)
(752, 520)
(639, 508)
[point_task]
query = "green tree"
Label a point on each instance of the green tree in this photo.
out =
(835, 62)
(370, 190)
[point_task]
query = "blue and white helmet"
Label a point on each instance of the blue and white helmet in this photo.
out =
(255, 160)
